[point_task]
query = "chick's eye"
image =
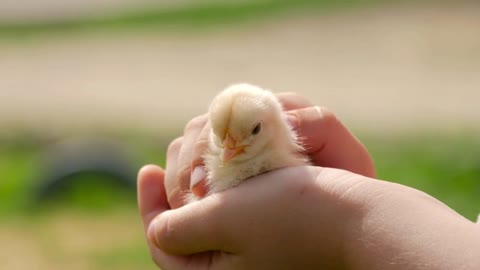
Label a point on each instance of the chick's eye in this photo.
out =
(256, 129)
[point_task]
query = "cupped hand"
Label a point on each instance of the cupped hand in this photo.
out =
(306, 218)
(302, 217)
(327, 141)
(286, 219)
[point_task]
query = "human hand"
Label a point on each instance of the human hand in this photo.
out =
(306, 218)
(361, 224)
(327, 142)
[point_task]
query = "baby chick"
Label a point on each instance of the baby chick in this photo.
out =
(249, 135)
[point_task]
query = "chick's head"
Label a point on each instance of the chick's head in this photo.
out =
(244, 119)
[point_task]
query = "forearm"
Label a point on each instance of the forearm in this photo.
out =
(414, 233)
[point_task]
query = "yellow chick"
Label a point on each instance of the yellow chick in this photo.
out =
(249, 135)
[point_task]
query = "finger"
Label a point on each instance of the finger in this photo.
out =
(293, 101)
(329, 143)
(165, 260)
(201, 188)
(171, 186)
(191, 229)
(184, 163)
(199, 175)
(151, 194)
(152, 201)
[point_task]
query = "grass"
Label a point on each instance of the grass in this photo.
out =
(448, 167)
(195, 16)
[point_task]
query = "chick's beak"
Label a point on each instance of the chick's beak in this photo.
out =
(230, 148)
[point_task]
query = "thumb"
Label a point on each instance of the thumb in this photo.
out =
(193, 228)
(151, 196)
(152, 201)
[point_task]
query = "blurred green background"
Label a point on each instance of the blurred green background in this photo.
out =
(92, 90)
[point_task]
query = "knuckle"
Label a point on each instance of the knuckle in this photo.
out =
(200, 146)
(199, 149)
(196, 123)
(176, 197)
(174, 146)
(166, 234)
(327, 115)
(292, 100)
(325, 111)
(183, 176)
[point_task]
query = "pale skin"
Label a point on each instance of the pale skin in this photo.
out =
(303, 217)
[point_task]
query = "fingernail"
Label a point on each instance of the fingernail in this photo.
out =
(198, 175)
(151, 232)
(292, 120)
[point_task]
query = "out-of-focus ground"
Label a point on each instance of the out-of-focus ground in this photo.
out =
(74, 241)
(381, 69)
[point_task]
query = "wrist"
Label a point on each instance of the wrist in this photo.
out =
(407, 229)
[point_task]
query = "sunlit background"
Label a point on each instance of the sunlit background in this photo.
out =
(91, 90)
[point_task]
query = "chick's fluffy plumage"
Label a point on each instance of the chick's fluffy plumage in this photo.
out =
(251, 121)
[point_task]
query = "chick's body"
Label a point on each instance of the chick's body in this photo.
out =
(250, 135)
